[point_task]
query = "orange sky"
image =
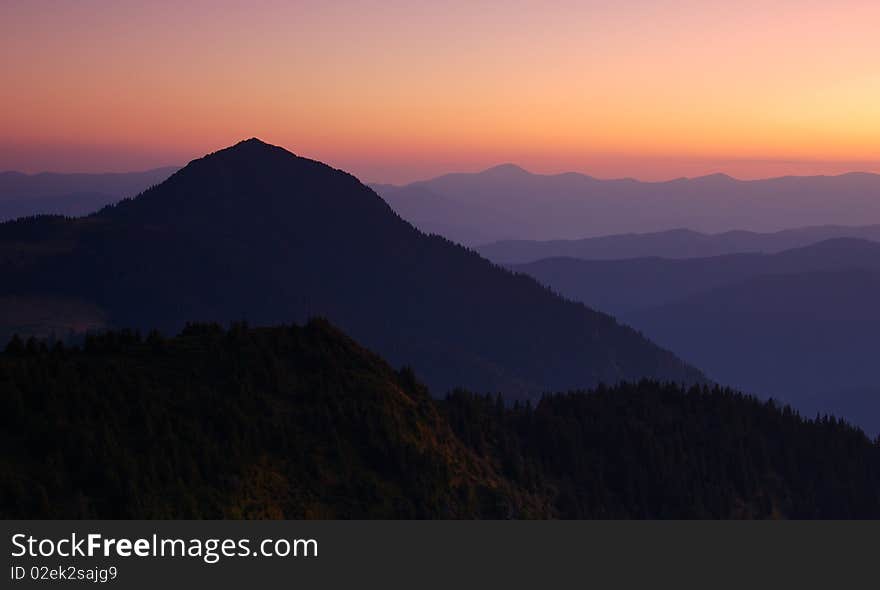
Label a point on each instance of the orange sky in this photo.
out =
(394, 91)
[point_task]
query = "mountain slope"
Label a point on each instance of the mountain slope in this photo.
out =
(465, 223)
(570, 206)
(647, 450)
(676, 243)
(291, 422)
(285, 422)
(256, 232)
(861, 405)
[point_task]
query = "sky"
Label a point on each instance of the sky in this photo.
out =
(395, 91)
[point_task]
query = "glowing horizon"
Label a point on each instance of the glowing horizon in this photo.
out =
(396, 91)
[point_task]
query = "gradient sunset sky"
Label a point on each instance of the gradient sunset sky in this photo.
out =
(394, 91)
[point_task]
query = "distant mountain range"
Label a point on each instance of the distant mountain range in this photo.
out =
(70, 194)
(621, 286)
(800, 325)
(513, 216)
(254, 232)
(675, 243)
(509, 203)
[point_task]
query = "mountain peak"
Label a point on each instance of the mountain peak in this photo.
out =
(715, 177)
(506, 169)
(252, 145)
(252, 142)
(252, 149)
(254, 182)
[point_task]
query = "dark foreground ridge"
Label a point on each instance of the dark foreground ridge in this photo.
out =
(302, 422)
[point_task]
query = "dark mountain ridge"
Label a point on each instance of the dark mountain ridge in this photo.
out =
(286, 422)
(254, 232)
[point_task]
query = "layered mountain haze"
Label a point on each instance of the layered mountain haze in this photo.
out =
(254, 232)
(800, 325)
(509, 203)
(803, 338)
(675, 243)
(622, 286)
(22, 195)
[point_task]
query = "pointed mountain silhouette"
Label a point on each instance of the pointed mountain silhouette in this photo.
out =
(254, 232)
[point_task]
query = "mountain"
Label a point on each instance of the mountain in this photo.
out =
(782, 335)
(622, 286)
(254, 232)
(799, 325)
(302, 422)
(72, 195)
(285, 422)
(797, 337)
(675, 243)
(509, 203)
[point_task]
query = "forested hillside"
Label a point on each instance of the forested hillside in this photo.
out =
(301, 422)
(267, 423)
